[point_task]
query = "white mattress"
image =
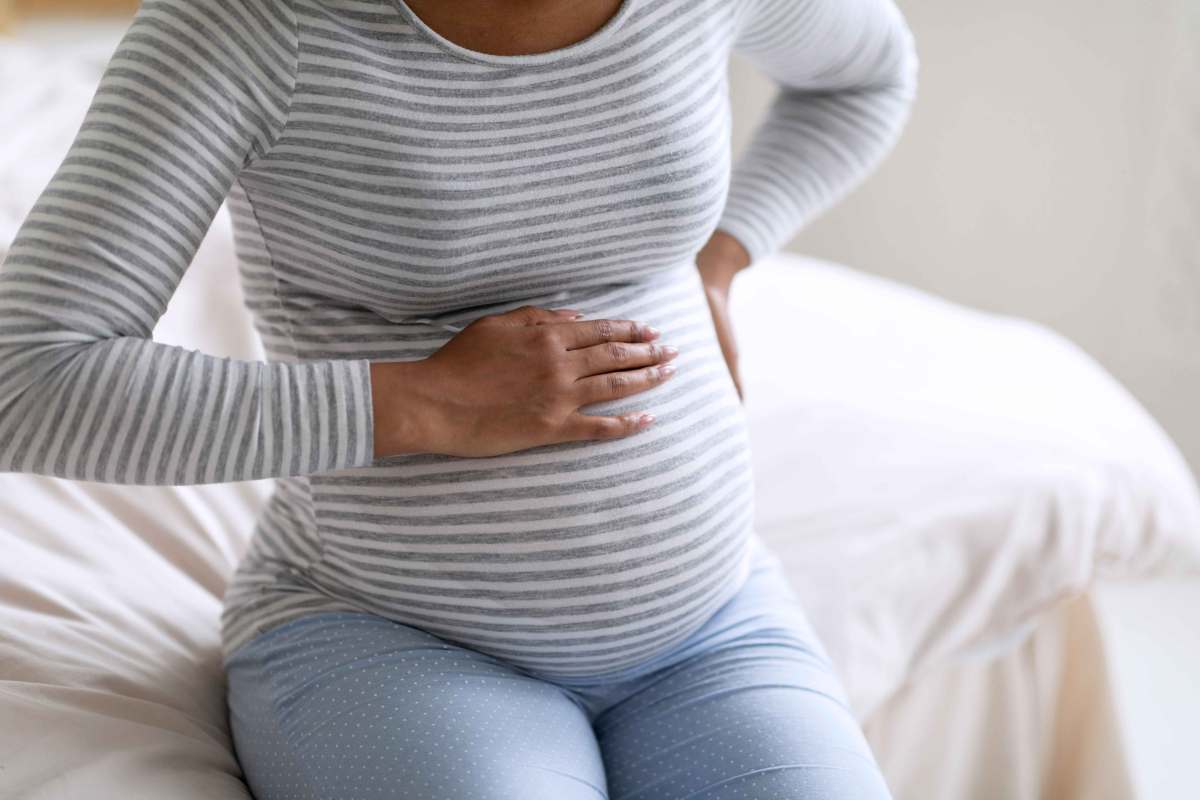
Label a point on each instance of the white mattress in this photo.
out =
(934, 478)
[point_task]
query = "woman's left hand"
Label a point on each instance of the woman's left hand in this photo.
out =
(718, 261)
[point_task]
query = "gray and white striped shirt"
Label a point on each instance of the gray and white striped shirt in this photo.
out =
(388, 186)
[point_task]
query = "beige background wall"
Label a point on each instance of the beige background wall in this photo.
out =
(1051, 169)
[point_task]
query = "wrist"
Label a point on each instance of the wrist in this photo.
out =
(400, 409)
(722, 257)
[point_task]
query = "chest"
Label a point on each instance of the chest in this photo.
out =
(417, 182)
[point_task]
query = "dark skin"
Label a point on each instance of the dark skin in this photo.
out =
(512, 381)
(514, 27)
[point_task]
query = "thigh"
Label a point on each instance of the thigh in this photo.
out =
(349, 706)
(754, 710)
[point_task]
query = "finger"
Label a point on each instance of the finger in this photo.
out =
(612, 356)
(613, 385)
(723, 326)
(586, 426)
(536, 315)
(561, 315)
(725, 337)
(597, 331)
(729, 352)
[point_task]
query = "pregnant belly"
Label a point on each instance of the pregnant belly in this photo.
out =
(575, 558)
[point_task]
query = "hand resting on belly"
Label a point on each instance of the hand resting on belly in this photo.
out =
(516, 380)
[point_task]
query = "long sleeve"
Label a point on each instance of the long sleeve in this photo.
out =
(194, 93)
(847, 77)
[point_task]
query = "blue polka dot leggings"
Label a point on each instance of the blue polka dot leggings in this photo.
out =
(349, 706)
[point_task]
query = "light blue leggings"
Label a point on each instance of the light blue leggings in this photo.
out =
(347, 706)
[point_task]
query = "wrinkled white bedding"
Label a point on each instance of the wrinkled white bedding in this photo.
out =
(934, 478)
(942, 474)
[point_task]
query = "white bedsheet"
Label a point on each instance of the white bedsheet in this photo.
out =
(936, 477)
(935, 480)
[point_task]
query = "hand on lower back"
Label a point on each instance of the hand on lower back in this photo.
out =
(718, 306)
(723, 257)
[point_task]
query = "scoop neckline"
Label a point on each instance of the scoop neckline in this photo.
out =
(593, 40)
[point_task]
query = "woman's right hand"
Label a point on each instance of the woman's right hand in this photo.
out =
(513, 381)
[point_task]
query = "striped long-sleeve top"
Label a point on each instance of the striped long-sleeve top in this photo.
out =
(387, 186)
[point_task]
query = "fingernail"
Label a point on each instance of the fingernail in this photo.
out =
(666, 370)
(649, 332)
(570, 312)
(645, 419)
(670, 351)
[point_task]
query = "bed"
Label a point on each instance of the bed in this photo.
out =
(946, 488)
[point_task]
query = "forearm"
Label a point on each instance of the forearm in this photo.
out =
(722, 257)
(134, 411)
(401, 403)
(847, 77)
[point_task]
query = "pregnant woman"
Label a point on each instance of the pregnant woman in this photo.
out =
(481, 241)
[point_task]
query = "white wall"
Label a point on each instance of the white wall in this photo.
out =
(1051, 169)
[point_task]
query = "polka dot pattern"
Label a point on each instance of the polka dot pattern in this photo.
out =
(352, 706)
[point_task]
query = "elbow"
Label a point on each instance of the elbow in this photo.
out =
(15, 383)
(893, 88)
(33, 351)
(878, 87)
(22, 381)
(903, 64)
(19, 345)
